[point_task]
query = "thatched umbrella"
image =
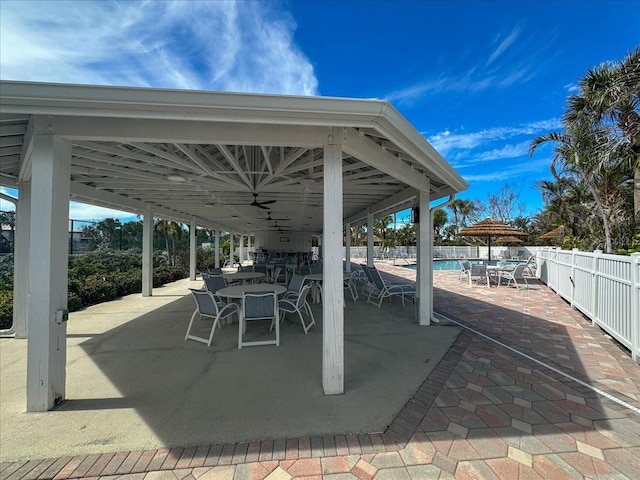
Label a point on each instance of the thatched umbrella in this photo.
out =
(490, 228)
(557, 233)
(509, 239)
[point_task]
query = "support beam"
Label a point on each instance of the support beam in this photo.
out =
(217, 248)
(193, 249)
(361, 147)
(333, 293)
(21, 261)
(147, 254)
(347, 249)
(370, 239)
(424, 273)
(48, 265)
(231, 249)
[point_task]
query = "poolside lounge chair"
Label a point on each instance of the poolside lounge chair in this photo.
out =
(465, 268)
(479, 272)
(515, 275)
(382, 289)
(530, 266)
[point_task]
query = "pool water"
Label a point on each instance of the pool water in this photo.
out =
(448, 264)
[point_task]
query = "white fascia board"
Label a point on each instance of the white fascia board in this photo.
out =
(126, 102)
(128, 130)
(399, 131)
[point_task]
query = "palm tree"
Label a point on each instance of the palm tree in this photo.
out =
(576, 152)
(610, 97)
(462, 211)
(171, 231)
(439, 221)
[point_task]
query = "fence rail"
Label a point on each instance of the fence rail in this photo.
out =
(605, 288)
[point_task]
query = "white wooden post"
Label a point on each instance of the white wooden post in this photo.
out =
(635, 306)
(573, 276)
(147, 254)
(21, 243)
(241, 250)
(332, 291)
(217, 248)
(231, 249)
(369, 238)
(595, 307)
(48, 265)
(193, 249)
(424, 274)
(347, 248)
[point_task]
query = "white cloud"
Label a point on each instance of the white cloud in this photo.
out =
(504, 45)
(508, 151)
(223, 45)
(447, 142)
(77, 211)
(92, 213)
(509, 172)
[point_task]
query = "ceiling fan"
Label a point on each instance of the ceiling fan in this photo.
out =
(255, 203)
(258, 204)
(269, 219)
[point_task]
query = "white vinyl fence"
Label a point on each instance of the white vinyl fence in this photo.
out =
(606, 288)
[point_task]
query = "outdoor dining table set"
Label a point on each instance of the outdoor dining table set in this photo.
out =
(496, 274)
(248, 301)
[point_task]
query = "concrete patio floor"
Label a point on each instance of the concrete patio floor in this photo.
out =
(484, 411)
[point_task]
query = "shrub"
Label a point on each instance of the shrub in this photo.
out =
(6, 309)
(96, 289)
(127, 282)
(74, 302)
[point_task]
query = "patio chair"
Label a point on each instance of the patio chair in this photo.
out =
(280, 275)
(295, 287)
(383, 289)
(350, 283)
(213, 283)
(214, 271)
(465, 268)
(258, 306)
(479, 272)
(206, 306)
(515, 275)
(260, 268)
(530, 266)
(299, 305)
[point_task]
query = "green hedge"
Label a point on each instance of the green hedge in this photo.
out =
(96, 277)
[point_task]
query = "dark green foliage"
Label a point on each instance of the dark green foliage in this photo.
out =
(95, 277)
(6, 309)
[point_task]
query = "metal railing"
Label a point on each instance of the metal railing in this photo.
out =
(605, 288)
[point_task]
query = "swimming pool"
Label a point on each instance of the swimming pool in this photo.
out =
(449, 264)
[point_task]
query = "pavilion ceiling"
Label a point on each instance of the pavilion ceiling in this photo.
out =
(220, 166)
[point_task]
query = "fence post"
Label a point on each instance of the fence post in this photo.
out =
(635, 306)
(594, 289)
(572, 278)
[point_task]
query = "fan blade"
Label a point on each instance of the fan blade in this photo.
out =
(268, 202)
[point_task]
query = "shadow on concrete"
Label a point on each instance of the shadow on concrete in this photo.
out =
(188, 394)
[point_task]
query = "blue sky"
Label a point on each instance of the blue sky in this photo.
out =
(479, 79)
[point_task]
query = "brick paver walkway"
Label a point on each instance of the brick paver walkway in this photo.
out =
(485, 412)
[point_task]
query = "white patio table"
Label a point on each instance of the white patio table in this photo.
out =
(242, 276)
(495, 272)
(316, 286)
(236, 291)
